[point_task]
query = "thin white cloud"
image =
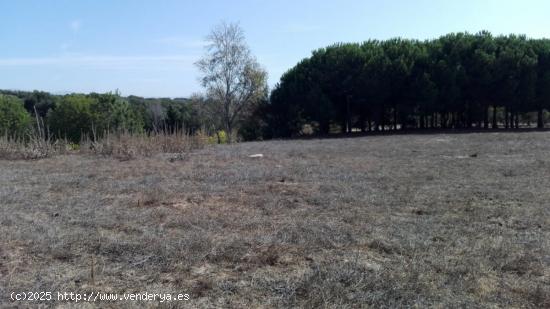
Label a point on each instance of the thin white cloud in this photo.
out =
(75, 25)
(181, 42)
(104, 61)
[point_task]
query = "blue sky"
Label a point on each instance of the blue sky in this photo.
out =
(148, 48)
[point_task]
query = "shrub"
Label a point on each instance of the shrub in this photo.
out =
(72, 118)
(14, 119)
(112, 113)
(78, 117)
(38, 102)
(219, 138)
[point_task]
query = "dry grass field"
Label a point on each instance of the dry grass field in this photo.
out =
(441, 221)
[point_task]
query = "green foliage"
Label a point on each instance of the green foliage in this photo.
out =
(182, 115)
(168, 114)
(253, 127)
(76, 116)
(459, 80)
(113, 113)
(219, 137)
(39, 101)
(14, 119)
(83, 116)
(73, 117)
(450, 82)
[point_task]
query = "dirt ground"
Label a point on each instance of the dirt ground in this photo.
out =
(441, 221)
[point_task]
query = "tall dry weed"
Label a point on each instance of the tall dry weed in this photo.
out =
(126, 145)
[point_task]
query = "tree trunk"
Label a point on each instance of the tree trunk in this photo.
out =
(453, 120)
(369, 123)
(506, 118)
(228, 128)
(469, 118)
(324, 127)
(229, 134)
(382, 119)
(395, 118)
(362, 125)
(540, 120)
(348, 115)
(486, 117)
(495, 123)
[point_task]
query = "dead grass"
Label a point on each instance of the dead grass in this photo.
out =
(121, 145)
(31, 147)
(383, 221)
(125, 145)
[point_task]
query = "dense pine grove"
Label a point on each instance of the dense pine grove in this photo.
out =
(458, 81)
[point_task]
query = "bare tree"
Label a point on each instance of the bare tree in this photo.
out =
(157, 115)
(231, 75)
(207, 112)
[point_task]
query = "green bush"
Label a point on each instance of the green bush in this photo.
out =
(14, 119)
(219, 138)
(113, 113)
(72, 117)
(79, 116)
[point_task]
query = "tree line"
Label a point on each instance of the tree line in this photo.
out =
(86, 116)
(235, 85)
(82, 116)
(459, 80)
